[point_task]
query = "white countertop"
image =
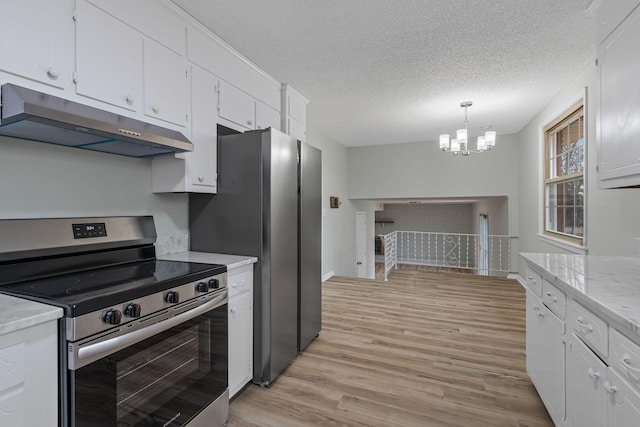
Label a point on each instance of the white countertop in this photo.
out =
(606, 284)
(17, 313)
(231, 261)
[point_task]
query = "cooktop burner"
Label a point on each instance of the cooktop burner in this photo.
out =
(83, 292)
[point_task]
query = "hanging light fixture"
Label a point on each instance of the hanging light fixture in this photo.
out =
(460, 145)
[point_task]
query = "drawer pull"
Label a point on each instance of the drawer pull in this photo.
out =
(587, 326)
(626, 362)
(609, 388)
(531, 279)
(594, 375)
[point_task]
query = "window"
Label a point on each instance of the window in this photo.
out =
(564, 185)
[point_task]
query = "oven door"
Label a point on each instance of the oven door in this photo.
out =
(166, 379)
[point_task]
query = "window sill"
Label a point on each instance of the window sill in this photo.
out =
(571, 247)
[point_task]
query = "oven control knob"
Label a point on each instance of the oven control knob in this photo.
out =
(133, 310)
(172, 297)
(112, 317)
(201, 287)
(214, 284)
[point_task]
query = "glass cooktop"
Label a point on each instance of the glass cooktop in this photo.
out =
(87, 291)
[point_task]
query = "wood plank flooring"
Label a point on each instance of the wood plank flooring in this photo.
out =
(423, 349)
(379, 270)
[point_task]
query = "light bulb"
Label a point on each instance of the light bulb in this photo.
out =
(444, 141)
(482, 143)
(490, 137)
(462, 136)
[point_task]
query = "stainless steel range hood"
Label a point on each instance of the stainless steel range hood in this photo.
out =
(37, 116)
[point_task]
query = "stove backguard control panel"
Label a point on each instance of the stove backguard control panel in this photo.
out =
(94, 229)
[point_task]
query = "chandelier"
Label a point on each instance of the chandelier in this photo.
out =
(460, 145)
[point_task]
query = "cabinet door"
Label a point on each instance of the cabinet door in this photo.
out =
(236, 106)
(266, 117)
(619, 130)
(108, 58)
(37, 40)
(297, 130)
(586, 397)
(546, 356)
(203, 128)
(624, 402)
(240, 341)
(166, 89)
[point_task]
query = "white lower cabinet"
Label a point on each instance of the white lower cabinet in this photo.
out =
(29, 377)
(623, 401)
(546, 356)
(586, 375)
(240, 286)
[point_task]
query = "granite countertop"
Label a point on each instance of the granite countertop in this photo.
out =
(608, 285)
(17, 313)
(231, 261)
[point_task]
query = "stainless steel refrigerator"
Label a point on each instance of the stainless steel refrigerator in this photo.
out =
(268, 206)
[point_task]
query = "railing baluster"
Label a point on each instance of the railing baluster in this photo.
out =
(438, 249)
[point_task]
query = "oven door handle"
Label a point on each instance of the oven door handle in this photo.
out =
(88, 353)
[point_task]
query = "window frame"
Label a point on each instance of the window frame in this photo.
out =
(575, 111)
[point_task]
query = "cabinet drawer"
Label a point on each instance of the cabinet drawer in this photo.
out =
(12, 408)
(12, 365)
(240, 280)
(589, 327)
(554, 298)
(534, 281)
(625, 357)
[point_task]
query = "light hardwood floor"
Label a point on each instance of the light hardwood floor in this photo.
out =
(423, 349)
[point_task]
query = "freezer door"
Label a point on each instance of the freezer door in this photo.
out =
(310, 245)
(280, 254)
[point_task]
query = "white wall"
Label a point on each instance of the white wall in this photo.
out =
(497, 210)
(612, 215)
(44, 180)
(421, 170)
(338, 225)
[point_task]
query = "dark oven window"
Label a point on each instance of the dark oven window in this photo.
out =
(163, 381)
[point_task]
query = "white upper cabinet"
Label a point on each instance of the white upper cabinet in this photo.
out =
(193, 172)
(236, 106)
(214, 55)
(294, 113)
(204, 133)
(156, 19)
(166, 89)
(109, 57)
(266, 117)
(618, 127)
(610, 14)
(37, 41)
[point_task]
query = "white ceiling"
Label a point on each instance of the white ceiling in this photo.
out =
(389, 71)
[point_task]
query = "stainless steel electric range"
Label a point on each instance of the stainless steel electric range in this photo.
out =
(143, 342)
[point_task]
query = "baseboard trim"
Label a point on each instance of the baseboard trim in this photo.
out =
(328, 276)
(519, 279)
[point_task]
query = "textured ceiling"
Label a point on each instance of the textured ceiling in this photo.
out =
(389, 71)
